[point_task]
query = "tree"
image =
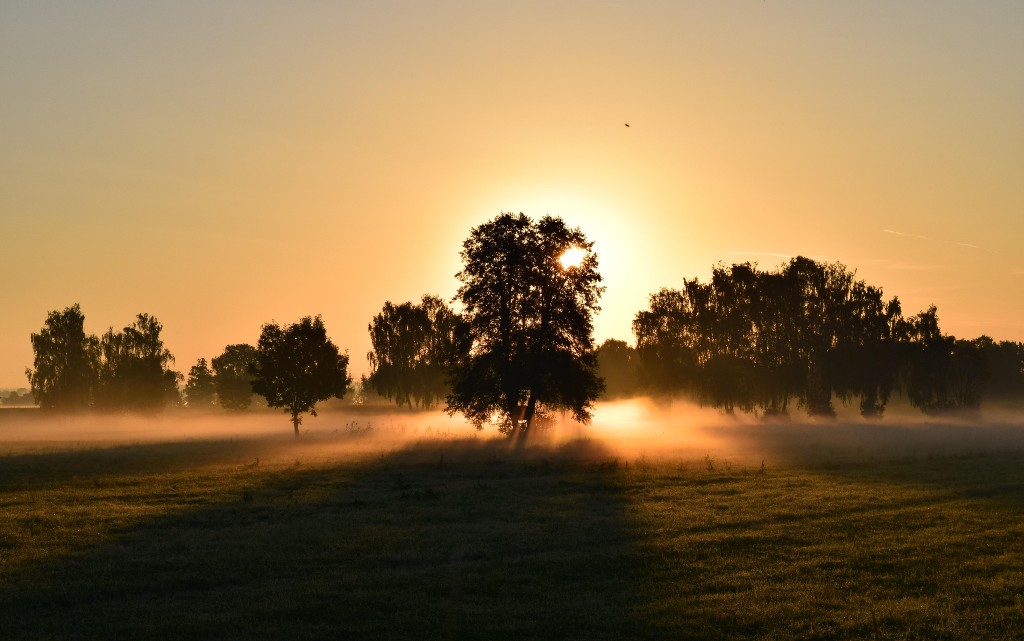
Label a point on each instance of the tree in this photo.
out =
(200, 389)
(134, 371)
(297, 366)
(66, 362)
(944, 374)
(233, 376)
(414, 349)
(530, 320)
(617, 365)
(1006, 369)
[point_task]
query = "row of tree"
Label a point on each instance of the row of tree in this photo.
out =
(126, 369)
(810, 332)
(293, 367)
(749, 340)
(522, 348)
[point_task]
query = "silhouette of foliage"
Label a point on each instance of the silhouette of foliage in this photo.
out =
(414, 349)
(233, 376)
(617, 366)
(200, 389)
(755, 341)
(530, 321)
(134, 368)
(1005, 363)
(66, 363)
(17, 399)
(944, 373)
(297, 366)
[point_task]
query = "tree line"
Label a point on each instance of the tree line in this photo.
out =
(293, 367)
(809, 333)
(521, 348)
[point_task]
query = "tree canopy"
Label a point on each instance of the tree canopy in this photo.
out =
(135, 369)
(233, 376)
(128, 369)
(200, 389)
(617, 365)
(66, 362)
(810, 332)
(415, 347)
(530, 320)
(297, 366)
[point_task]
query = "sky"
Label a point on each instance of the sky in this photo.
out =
(220, 165)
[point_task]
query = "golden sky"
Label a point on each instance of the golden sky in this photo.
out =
(223, 164)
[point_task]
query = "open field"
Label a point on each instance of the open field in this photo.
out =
(729, 531)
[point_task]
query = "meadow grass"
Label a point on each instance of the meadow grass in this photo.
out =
(470, 539)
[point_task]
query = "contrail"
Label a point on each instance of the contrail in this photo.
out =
(899, 233)
(939, 240)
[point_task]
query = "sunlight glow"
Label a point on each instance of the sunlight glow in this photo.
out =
(573, 257)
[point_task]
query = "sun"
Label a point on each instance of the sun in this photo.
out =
(572, 257)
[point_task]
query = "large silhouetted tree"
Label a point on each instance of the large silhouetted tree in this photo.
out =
(232, 372)
(134, 371)
(200, 389)
(415, 347)
(66, 362)
(530, 320)
(297, 366)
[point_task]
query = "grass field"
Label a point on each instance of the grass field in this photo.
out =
(443, 537)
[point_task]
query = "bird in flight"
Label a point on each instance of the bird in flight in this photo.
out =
(627, 124)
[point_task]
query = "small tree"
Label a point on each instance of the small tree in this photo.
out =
(297, 366)
(66, 362)
(233, 376)
(200, 389)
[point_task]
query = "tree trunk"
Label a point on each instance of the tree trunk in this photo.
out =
(296, 419)
(531, 408)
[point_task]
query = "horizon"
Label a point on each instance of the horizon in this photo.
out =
(221, 168)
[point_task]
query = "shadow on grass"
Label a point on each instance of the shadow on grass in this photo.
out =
(56, 465)
(975, 460)
(442, 540)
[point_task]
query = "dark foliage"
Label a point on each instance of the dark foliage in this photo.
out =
(756, 341)
(66, 364)
(943, 374)
(297, 366)
(530, 321)
(415, 347)
(617, 365)
(1005, 363)
(233, 377)
(134, 368)
(200, 389)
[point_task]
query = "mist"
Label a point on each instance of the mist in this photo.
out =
(627, 430)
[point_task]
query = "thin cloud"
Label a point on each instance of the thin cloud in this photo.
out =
(899, 233)
(1018, 272)
(939, 240)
